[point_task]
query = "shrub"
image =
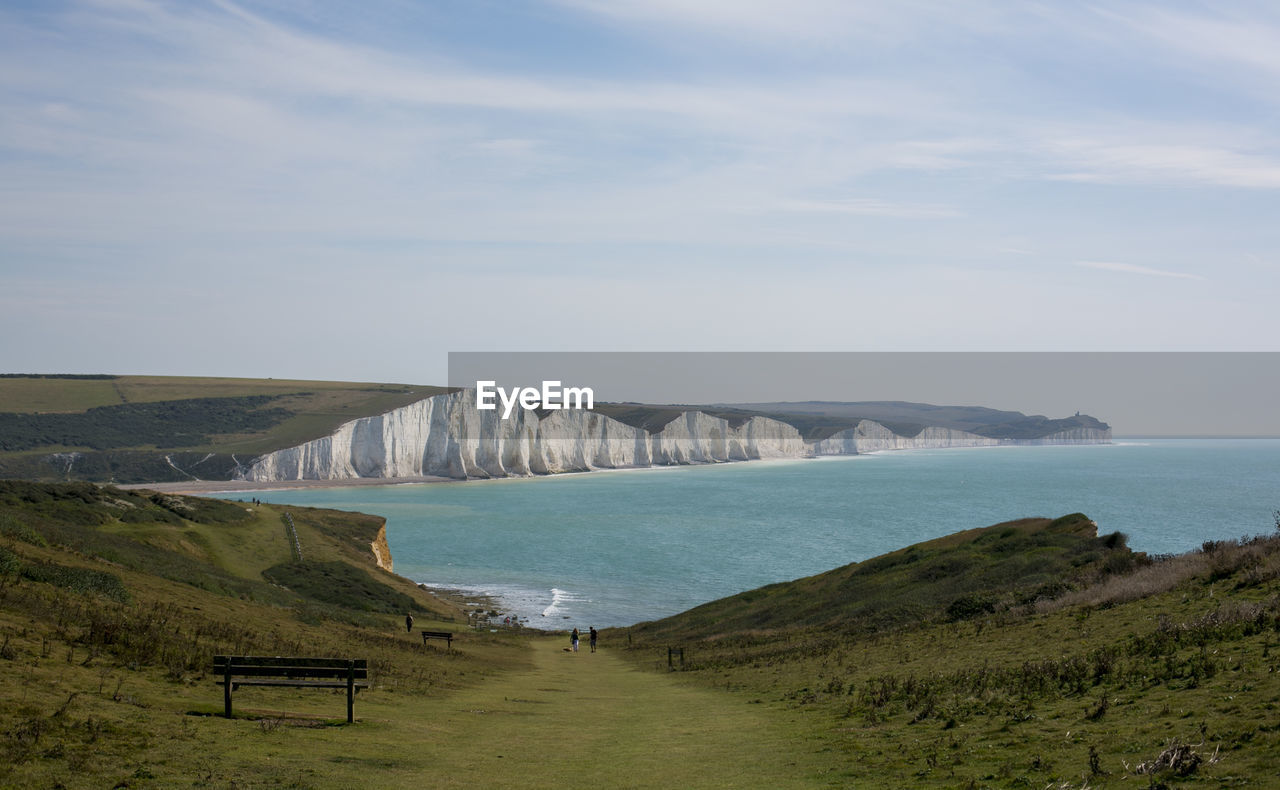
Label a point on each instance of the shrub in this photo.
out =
(10, 563)
(81, 580)
(1116, 540)
(11, 527)
(340, 584)
(968, 606)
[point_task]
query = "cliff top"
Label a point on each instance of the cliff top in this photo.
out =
(817, 420)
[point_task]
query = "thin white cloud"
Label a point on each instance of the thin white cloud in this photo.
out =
(771, 18)
(1105, 161)
(1129, 268)
(871, 207)
(784, 23)
(1224, 37)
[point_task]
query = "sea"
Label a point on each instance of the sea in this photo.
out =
(617, 547)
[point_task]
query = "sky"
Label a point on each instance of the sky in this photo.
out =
(351, 191)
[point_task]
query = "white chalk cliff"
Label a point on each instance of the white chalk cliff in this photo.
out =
(447, 436)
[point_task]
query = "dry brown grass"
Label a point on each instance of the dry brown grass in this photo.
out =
(1257, 559)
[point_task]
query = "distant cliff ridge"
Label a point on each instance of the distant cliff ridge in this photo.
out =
(447, 436)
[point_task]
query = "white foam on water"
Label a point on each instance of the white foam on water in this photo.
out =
(552, 609)
(561, 605)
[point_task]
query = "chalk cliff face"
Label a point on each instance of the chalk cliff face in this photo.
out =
(1071, 436)
(872, 437)
(447, 436)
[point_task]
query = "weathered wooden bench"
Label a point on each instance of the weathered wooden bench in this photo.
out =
(351, 674)
(445, 635)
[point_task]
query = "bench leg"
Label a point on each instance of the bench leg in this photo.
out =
(351, 692)
(226, 690)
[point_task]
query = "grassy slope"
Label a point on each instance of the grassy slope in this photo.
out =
(100, 690)
(1073, 691)
(108, 694)
(1086, 689)
(966, 573)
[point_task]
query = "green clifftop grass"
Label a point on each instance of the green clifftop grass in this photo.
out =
(1024, 655)
(956, 577)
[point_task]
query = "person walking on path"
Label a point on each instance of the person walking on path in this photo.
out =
(573, 640)
(408, 623)
(593, 638)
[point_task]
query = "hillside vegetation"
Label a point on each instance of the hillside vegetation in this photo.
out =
(142, 429)
(817, 420)
(113, 604)
(957, 577)
(1028, 654)
(820, 419)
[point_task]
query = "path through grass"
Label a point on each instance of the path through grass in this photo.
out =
(592, 719)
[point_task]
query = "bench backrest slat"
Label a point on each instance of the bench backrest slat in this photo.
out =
(277, 666)
(239, 662)
(295, 672)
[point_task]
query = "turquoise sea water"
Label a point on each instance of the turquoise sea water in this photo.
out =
(618, 547)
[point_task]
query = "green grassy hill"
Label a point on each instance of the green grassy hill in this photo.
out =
(141, 429)
(113, 603)
(1027, 654)
(957, 577)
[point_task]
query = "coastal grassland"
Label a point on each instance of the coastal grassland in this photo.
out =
(105, 692)
(959, 575)
(57, 394)
(108, 684)
(75, 394)
(1157, 674)
(132, 429)
(1072, 662)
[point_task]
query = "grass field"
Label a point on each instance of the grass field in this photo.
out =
(1087, 687)
(1149, 673)
(51, 394)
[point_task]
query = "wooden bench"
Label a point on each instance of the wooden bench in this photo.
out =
(351, 674)
(445, 635)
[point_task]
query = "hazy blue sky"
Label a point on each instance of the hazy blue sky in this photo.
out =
(351, 190)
